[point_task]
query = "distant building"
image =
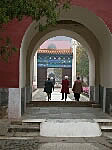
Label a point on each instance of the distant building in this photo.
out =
(53, 58)
(55, 54)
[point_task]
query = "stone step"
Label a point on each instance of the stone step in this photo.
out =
(33, 125)
(21, 128)
(60, 104)
(70, 128)
(96, 106)
(32, 122)
(106, 128)
(104, 122)
(26, 125)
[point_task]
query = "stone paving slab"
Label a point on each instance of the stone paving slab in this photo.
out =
(76, 113)
(70, 128)
(4, 124)
(108, 135)
(101, 140)
(20, 144)
(69, 146)
(32, 141)
(33, 144)
(26, 134)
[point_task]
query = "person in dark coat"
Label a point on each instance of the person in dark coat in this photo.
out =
(48, 88)
(77, 88)
(65, 88)
(53, 80)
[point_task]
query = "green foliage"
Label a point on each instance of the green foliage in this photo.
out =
(82, 62)
(36, 9)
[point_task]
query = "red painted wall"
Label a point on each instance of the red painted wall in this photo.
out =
(102, 8)
(9, 72)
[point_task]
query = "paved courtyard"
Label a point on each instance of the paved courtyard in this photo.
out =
(39, 95)
(33, 141)
(65, 113)
(42, 143)
(62, 112)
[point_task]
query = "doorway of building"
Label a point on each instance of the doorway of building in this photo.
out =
(56, 74)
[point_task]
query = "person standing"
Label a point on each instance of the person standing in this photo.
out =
(65, 88)
(77, 88)
(48, 88)
(53, 80)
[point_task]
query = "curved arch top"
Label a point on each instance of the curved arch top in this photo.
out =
(82, 24)
(87, 31)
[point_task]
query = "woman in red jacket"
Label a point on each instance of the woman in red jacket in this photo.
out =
(65, 88)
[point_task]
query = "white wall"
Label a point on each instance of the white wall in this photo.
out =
(74, 45)
(35, 72)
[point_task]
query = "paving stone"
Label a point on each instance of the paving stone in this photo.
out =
(26, 134)
(32, 141)
(108, 135)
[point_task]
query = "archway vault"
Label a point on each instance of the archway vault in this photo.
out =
(78, 23)
(82, 25)
(66, 28)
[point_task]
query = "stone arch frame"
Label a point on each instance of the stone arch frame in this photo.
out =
(72, 34)
(77, 15)
(99, 40)
(89, 25)
(63, 28)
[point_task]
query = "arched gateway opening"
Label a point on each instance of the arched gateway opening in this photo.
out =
(56, 58)
(82, 25)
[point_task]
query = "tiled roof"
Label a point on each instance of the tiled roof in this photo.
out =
(55, 51)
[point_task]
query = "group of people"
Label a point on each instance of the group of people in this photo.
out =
(77, 88)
